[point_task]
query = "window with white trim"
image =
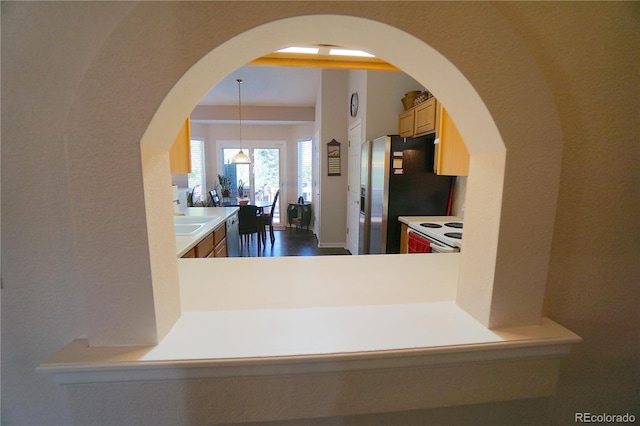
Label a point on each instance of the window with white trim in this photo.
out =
(197, 180)
(305, 169)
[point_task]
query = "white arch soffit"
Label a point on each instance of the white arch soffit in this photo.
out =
(483, 140)
(358, 33)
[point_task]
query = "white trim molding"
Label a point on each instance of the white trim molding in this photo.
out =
(524, 365)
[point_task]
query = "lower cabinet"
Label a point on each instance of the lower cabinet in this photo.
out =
(213, 245)
(205, 247)
(221, 249)
(190, 254)
(403, 238)
(220, 241)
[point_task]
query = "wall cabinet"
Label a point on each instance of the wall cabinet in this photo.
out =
(425, 120)
(451, 154)
(180, 152)
(419, 120)
(406, 122)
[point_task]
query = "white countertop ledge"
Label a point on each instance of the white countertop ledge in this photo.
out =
(216, 216)
(310, 320)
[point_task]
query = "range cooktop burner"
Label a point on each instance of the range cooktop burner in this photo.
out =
(457, 225)
(456, 235)
(431, 225)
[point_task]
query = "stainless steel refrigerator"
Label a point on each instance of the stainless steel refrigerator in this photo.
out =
(397, 179)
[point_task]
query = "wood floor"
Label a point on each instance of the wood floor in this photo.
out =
(290, 242)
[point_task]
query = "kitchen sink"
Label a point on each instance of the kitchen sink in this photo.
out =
(188, 229)
(189, 225)
(186, 220)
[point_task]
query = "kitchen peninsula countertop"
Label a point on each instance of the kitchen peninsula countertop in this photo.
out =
(218, 215)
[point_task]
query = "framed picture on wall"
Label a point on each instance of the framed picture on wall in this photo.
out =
(333, 158)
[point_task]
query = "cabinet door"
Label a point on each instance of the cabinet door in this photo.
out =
(190, 254)
(219, 233)
(180, 152)
(403, 238)
(425, 118)
(205, 247)
(221, 249)
(452, 157)
(405, 123)
(219, 236)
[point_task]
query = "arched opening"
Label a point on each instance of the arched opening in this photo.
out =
(448, 84)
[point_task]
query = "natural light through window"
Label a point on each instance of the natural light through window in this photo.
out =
(324, 50)
(304, 169)
(293, 49)
(349, 52)
(196, 179)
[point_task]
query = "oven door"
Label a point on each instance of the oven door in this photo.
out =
(420, 243)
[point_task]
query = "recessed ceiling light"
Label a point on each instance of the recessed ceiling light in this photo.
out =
(295, 49)
(348, 52)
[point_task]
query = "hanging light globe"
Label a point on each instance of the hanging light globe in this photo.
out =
(240, 157)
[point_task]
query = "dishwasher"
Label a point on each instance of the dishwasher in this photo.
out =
(233, 236)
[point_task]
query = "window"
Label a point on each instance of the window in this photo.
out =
(304, 169)
(196, 179)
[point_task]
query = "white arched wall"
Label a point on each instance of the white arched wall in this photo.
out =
(119, 115)
(486, 289)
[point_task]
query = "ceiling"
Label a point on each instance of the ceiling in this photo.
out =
(284, 79)
(267, 86)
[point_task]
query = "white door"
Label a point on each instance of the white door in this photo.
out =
(353, 191)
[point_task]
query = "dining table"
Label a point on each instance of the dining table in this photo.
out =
(261, 204)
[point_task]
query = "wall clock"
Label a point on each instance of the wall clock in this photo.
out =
(354, 104)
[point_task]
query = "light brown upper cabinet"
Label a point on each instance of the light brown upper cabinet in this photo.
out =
(180, 153)
(419, 120)
(405, 123)
(451, 155)
(425, 120)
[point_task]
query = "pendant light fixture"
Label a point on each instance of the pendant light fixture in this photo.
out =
(240, 157)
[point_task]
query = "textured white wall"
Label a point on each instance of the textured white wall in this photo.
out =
(335, 99)
(43, 294)
(583, 51)
(384, 91)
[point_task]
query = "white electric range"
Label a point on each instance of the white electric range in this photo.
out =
(442, 234)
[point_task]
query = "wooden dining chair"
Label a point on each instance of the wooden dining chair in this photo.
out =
(249, 223)
(267, 219)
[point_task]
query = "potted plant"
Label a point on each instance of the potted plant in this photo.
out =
(225, 185)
